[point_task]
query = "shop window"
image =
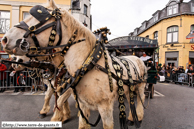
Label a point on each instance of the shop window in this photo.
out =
(85, 9)
(192, 29)
(4, 56)
(172, 59)
(4, 21)
(172, 34)
(156, 35)
(25, 15)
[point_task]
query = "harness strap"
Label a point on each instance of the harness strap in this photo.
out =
(126, 82)
(82, 114)
(122, 114)
(35, 41)
(88, 64)
(44, 27)
(47, 48)
(59, 32)
(131, 90)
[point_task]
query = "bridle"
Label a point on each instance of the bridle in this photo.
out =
(42, 15)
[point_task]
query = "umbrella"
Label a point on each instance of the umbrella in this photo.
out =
(190, 35)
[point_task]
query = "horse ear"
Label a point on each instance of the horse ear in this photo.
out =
(52, 4)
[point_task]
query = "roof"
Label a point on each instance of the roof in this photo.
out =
(184, 8)
(132, 42)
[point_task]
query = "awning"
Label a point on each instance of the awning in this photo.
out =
(132, 42)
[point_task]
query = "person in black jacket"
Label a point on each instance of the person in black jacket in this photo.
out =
(190, 73)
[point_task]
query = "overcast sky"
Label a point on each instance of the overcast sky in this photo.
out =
(123, 16)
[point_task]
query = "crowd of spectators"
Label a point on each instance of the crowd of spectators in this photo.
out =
(9, 76)
(173, 71)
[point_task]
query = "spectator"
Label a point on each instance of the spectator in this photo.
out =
(14, 75)
(159, 68)
(145, 58)
(171, 67)
(161, 75)
(187, 69)
(174, 73)
(167, 71)
(2, 76)
(181, 70)
(190, 72)
(164, 65)
(163, 71)
(21, 81)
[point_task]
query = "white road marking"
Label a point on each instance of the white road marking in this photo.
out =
(156, 93)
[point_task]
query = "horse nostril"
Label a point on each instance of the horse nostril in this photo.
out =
(4, 40)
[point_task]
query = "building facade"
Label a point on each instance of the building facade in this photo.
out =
(14, 11)
(170, 26)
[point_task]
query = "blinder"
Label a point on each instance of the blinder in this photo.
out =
(40, 13)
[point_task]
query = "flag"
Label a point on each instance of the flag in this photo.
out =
(190, 35)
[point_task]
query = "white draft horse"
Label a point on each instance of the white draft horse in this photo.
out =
(93, 90)
(50, 91)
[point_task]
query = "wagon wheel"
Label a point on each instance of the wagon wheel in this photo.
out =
(151, 89)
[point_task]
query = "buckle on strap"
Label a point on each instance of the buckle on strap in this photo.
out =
(33, 49)
(32, 28)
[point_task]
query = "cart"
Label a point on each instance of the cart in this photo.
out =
(133, 45)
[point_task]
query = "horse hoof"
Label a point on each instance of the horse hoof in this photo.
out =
(130, 123)
(42, 115)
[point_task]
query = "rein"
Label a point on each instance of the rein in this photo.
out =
(42, 15)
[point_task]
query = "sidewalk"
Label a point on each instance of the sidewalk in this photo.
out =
(11, 92)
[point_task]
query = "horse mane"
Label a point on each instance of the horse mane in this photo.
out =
(72, 24)
(82, 32)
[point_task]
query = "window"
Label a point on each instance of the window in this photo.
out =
(144, 25)
(173, 9)
(85, 9)
(4, 21)
(147, 36)
(156, 17)
(156, 35)
(4, 56)
(76, 5)
(172, 34)
(192, 28)
(25, 15)
(192, 7)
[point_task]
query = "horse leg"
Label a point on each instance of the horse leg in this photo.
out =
(59, 114)
(140, 97)
(86, 112)
(46, 106)
(66, 111)
(106, 112)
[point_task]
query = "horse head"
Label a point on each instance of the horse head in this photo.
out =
(19, 39)
(20, 59)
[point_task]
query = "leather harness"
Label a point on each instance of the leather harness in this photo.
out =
(42, 15)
